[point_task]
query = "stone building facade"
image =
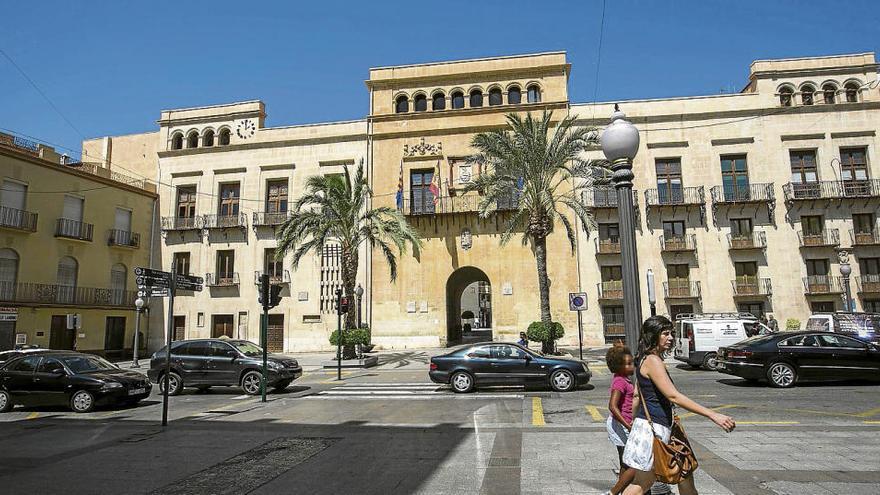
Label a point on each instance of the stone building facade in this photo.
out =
(745, 202)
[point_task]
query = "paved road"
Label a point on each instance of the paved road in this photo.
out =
(389, 430)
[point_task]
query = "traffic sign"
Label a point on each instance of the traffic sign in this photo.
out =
(149, 272)
(145, 281)
(153, 292)
(577, 301)
(190, 279)
(180, 285)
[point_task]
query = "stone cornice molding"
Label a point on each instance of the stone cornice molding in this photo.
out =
(456, 78)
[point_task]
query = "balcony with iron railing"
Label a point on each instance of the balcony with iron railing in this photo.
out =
(228, 279)
(465, 203)
(54, 294)
(681, 289)
(681, 196)
(610, 290)
(750, 286)
(752, 193)
(123, 238)
(234, 221)
(862, 238)
(608, 246)
(823, 284)
(604, 197)
(831, 189)
(10, 218)
(72, 229)
(746, 241)
(678, 244)
(194, 222)
(269, 218)
(825, 239)
(274, 278)
(869, 284)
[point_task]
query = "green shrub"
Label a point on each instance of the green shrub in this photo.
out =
(538, 331)
(792, 324)
(351, 337)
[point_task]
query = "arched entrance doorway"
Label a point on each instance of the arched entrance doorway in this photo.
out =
(468, 306)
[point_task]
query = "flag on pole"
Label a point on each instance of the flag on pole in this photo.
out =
(399, 197)
(435, 184)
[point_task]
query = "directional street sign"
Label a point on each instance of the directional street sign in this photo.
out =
(149, 272)
(187, 286)
(144, 281)
(153, 292)
(190, 279)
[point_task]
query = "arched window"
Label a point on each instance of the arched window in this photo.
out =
(192, 140)
(785, 96)
(224, 136)
(495, 96)
(458, 99)
(420, 103)
(208, 138)
(118, 277)
(8, 274)
(177, 141)
(514, 95)
(534, 94)
(401, 104)
(66, 279)
(438, 102)
(807, 94)
(476, 98)
(852, 92)
(828, 92)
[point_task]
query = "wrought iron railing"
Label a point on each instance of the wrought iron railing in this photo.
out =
(753, 193)
(72, 229)
(826, 238)
(862, 238)
(675, 196)
(182, 223)
(832, 189)
(608, 246)
(18, 219)
(270, 218)
(123, 238)
(415, 205)
(677, 244)
(604, 197)
(823, 284)
(222, 279)
(610, 289)
(47, 294)
(274, 278)
(751, 286)
(749, 240)
(869, 283)
(238, 220)
(681, 289)
(614, 329)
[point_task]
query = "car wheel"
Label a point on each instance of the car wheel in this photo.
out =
(175, 384)
(710, 362)
(462, 382)
(82, 402)
(278, 387)
(562, 380)
(781, 375)
(250, 382)
(6, 404)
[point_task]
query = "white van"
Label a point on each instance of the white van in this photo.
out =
(863, 326)
(699, 336)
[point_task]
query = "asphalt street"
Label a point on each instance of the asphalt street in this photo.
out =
(389, 430)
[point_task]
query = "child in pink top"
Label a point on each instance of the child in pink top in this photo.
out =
(620, 362)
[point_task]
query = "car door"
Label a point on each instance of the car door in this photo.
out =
(849, 358)
(18, 379)
(506, 364)
(50, 382)
(478, 361)
(191, 360)
(220, 368)
(805, 353)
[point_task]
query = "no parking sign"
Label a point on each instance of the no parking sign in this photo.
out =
(577, 301)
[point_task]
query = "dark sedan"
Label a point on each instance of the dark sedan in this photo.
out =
(471, 366)
(80, 381)
(784, 359)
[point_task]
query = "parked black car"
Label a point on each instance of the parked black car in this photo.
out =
(9, 355)
(204, 363)
(786, 358)
(489, 363)
(81, 381)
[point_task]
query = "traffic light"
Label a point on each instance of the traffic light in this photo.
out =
(274, 296)
(343, 305)
(264, 291)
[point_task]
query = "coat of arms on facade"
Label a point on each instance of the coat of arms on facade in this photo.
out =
(423, 149)
(843, 257)
(466, 240)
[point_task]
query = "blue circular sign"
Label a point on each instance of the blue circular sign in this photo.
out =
(577, 301)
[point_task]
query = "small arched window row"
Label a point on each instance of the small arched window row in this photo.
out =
(457, 98)
(207, 139)
(829, 92)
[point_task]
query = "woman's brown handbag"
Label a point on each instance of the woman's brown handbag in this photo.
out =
(673, 461)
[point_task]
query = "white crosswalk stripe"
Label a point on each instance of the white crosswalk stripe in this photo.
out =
(401, 391)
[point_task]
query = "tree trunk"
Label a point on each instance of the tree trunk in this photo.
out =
(543, 286)
(349, 276)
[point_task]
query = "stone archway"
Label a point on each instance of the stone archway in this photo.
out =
(468, 306)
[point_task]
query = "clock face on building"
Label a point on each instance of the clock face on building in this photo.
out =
(246, 128)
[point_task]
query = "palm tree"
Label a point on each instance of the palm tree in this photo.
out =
(334, 210)
(538, 169)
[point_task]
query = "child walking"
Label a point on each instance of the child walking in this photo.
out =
(620, 362)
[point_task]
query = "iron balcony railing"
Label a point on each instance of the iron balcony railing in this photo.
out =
(826, 238)
(753, 193)
(749, 240)
(678, 244)
(832, 189)
(222, 279)
(416, 205)
(72, 229)
(50, 294)
(237, 220)
(869, 284)
(274, 278)
(614, 329)
(123, 238)
(262, 218)
(194, 222)
(871, 238)
(823, 284)
(751, 286)
(610, 290)
(604, 197)
(675, 196)
(681, 289)
(608, 246)
(18, 219)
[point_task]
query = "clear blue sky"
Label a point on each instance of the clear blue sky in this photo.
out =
(112, 66)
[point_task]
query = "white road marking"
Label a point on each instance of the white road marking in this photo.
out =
(411, 397)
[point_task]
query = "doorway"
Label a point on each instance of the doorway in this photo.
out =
(61, 337)
(7, 335)
(223, 326)
(275, 334)
(179, 327)
(114, 336)
(468, 306)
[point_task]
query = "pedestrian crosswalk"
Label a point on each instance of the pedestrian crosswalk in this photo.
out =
(404, 391)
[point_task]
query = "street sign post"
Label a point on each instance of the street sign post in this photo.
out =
(577, 301)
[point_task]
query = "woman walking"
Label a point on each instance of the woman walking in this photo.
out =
(658, 394)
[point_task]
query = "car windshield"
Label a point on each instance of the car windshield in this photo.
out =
(248, 348)
(86, 364)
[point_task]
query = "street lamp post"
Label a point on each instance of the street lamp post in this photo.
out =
(846, 270)
(620, 143)
(139, 308)
(359, 292)
(652, 296)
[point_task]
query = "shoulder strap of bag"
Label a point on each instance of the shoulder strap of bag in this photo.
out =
(642, 397)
